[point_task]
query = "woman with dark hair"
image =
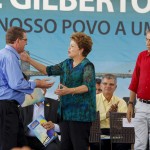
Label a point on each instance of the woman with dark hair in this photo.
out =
(77, 93)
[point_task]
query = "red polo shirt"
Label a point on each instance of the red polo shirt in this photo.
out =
(140, 83)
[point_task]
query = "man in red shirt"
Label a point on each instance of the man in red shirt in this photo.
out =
(140, 88)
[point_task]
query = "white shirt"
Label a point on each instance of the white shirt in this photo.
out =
(37, 111)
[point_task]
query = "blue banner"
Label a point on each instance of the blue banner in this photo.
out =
(117, 28)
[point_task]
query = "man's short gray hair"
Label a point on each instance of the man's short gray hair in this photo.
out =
(110, 76)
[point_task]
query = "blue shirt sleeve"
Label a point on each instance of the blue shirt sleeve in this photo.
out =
(14, 76)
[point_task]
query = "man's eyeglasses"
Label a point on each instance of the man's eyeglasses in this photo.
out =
(110, 84)
(24, 40)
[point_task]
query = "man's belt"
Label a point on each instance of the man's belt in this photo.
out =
(144, 101)
(10, 101)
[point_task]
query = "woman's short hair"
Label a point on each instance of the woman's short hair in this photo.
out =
(83, 41)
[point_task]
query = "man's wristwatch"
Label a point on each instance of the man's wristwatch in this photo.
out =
(129, 102)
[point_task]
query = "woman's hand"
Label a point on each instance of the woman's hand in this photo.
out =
(62, 90)
(24, 56)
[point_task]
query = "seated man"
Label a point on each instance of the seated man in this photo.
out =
(106, 102)
(98, 86)
(48, 109)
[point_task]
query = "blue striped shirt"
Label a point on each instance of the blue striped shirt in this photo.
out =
(13, 86)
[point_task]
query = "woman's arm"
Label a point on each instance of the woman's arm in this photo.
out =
(25, 57)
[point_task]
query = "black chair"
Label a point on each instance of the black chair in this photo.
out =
(95, 131)
(126, 99)
(118, 133)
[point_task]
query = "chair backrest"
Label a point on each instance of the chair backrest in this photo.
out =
(95, 131)
(118, 133)
(126, 99)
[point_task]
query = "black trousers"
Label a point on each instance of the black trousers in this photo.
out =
(11, 126)
(75, 135)
(35, 144)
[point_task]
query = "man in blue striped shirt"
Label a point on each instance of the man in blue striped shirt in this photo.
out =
(13, 87)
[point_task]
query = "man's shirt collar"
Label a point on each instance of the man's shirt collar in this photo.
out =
(10, 48)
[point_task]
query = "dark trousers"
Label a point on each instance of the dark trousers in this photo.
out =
(75, 135)
(11, 126)
(35, 144)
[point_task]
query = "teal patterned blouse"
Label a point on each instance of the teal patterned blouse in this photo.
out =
(77, 107)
